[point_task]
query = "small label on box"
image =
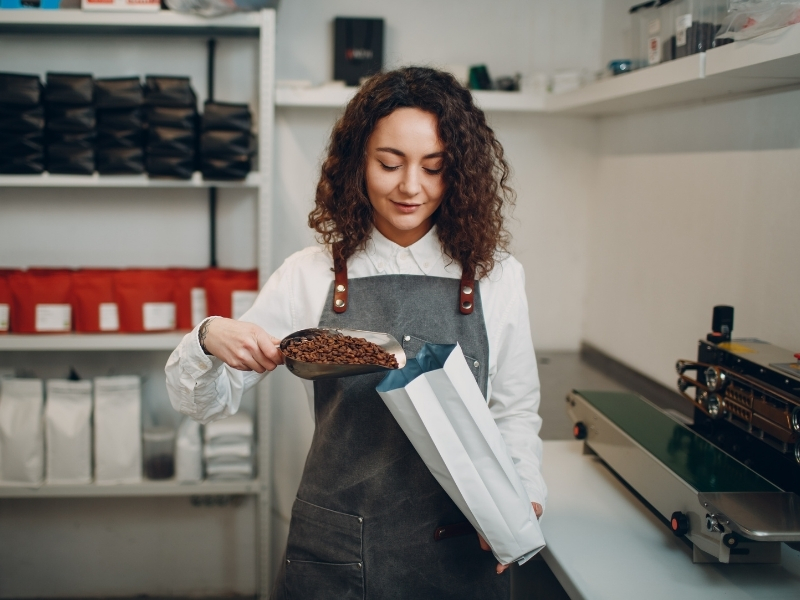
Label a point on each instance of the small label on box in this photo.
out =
(653, 51)
(109, 316)
(654, 27)
(158, 316)
(199, 306)
(241, 302)
(682, 24)
(53, 317)
(4, 310)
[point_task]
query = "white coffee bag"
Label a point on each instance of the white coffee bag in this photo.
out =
(21, 431)
(189, 452)
(68, 431)
(118, 429)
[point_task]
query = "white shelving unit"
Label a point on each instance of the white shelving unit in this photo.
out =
(329, 96)
(260, 25)
(130, 490)
(763, 64)
(668, 83)
(253, 180)
(326, 96)
(51, 21)
(91, 342)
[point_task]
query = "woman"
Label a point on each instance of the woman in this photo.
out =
(409, 208)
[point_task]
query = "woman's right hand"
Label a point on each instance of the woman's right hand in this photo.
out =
(241, 345)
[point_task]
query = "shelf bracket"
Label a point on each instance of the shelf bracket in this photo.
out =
(212, 191)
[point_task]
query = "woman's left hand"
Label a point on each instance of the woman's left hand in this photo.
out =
(484, 546)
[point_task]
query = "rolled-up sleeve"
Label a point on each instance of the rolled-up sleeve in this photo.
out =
(202, 386)
(514, 390)
(205, 388)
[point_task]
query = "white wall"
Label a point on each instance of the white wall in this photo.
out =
(506, 35)
(695, 207)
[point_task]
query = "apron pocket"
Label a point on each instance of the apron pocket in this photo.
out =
(323, 554)
(413, 344)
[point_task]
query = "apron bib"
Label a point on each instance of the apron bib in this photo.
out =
(367, 508)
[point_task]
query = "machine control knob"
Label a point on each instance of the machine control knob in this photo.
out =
(731, 540)
(713, 524)
(715, 378)
(714, 406)
(679, 523)
(579, 431)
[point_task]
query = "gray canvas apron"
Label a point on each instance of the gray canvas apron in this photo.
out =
(364, 519)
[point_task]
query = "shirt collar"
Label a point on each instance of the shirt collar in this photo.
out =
(426, 251)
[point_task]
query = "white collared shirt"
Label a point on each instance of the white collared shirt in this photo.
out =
(294, 297)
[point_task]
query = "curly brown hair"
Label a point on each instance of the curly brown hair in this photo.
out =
(470, 218)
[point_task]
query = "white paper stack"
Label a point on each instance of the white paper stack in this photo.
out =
(189, 452)
(228, 448)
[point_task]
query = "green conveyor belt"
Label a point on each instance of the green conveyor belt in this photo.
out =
(698, 462)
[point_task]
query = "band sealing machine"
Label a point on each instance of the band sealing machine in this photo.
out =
(729, 481)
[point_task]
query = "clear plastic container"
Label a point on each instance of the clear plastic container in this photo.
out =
(696, 24)
(666, 35)
(709, 16)
(159, 452)
(720, 14)
(640, 15)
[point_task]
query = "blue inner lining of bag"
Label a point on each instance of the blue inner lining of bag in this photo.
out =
(429, 358)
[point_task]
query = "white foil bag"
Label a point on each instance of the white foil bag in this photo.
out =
(68, 431)
(22, 431)
(118, 429)
(189, 452)
(439, 406)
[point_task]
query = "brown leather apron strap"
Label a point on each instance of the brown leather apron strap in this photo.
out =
(466, 300)
(466, 297)
(339, 284)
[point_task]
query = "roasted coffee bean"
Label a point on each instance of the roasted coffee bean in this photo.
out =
(339, 350)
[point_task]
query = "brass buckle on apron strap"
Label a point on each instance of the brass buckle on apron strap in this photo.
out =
(466, 292)
(453, 530)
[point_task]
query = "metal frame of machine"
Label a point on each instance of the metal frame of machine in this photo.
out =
(714, 536)
(747, 421)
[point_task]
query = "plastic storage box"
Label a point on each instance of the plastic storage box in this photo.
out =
(159, 452)
(640, 16)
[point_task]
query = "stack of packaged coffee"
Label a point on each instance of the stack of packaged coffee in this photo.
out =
(228, 448)
(226, 143)
(21, 124)
(82, 423)
(70, 123)
(120, 126)
(171, 112)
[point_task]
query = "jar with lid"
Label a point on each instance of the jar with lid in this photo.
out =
(640, 16)
(666, 22)
(159, 452)
(696, 24)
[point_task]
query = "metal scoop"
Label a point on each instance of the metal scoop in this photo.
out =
(307, 370)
